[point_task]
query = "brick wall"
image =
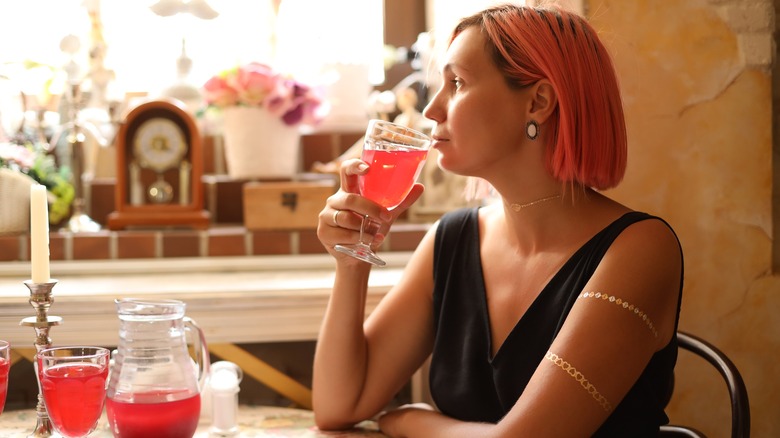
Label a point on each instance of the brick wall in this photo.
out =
(226, 236)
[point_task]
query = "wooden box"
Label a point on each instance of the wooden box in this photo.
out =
(285, 205)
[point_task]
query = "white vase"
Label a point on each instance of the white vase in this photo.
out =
(259, 145)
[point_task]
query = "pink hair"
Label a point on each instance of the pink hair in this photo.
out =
(588, 141)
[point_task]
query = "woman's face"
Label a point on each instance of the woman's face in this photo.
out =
(480, 121)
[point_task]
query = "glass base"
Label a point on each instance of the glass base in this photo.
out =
(361, 252)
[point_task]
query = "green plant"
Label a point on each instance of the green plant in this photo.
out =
(32, 159)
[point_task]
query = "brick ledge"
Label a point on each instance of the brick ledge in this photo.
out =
(217, 241)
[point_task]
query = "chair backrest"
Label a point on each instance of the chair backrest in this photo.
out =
(740, 406)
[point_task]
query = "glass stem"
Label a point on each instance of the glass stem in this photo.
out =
(366, 237)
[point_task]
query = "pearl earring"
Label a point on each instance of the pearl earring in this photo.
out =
(532, 130)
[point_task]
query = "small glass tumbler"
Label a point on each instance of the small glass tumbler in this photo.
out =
(73, 384)
(5, 367)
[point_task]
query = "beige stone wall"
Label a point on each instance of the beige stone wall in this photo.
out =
(697, 82)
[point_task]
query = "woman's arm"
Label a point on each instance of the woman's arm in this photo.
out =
(359, 366)
(597, 357)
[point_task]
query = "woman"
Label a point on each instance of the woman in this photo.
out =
(550, 313)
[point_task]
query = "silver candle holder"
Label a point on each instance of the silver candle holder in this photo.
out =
(41, 300)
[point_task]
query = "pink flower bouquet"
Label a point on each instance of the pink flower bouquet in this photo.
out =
(258, 85)
(17, 157)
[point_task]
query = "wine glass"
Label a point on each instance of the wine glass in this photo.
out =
(73, 383)
(5, 366)
(395, 155)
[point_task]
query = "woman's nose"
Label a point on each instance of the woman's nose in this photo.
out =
(432, 110)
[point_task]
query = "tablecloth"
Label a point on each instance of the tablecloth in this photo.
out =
(253, 421)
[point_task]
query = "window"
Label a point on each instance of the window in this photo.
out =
(142, 48)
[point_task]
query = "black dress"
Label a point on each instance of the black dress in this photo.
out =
(468, 385)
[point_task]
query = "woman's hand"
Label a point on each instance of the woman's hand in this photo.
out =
(419, 420)
(340, 220)
(392, 422)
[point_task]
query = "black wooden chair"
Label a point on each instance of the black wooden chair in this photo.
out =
(740, 407)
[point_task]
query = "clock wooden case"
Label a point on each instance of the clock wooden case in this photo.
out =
(159, 168)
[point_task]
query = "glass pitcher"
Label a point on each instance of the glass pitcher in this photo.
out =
(154, 387)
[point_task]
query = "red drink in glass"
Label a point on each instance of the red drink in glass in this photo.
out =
(147, 417)
(5, 366)
(391, 174)
(395, 155)
(74, 395)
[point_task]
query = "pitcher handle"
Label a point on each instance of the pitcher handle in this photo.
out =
(201, 351)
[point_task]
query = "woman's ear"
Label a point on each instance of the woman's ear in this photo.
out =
(543, 101)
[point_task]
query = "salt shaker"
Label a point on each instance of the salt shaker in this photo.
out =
(223, 385)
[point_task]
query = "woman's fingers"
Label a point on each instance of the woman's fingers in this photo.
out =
(345, 219)
(350, 170)
(341, 219)
(414, 195)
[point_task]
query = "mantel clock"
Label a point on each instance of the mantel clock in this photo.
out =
(159, 167)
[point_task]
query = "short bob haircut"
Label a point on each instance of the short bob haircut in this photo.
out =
(588, 141)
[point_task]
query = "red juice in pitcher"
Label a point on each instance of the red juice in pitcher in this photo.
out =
(167, 419)
(5, 366)
(74, 395)
(391, 174)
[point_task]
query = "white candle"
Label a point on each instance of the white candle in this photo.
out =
(39, 234)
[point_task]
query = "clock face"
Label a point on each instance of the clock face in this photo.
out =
(159, 144)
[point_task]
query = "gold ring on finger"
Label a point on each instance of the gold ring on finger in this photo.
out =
(336, 218)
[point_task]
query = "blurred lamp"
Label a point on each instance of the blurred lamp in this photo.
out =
(198, 8)
(181, 89)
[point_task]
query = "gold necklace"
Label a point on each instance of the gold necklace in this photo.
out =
(518, 207)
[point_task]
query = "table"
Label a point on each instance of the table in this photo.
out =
(253, 421)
